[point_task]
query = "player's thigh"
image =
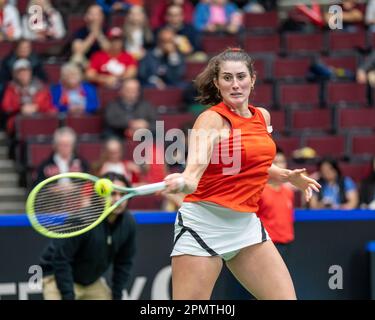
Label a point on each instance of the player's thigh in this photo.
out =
(99, 290)
(262, 271)
(194, 277)
(50, 290)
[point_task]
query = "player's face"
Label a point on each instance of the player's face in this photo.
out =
(116, 196)
(234, 83)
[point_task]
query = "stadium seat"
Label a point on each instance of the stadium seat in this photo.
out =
(372, 39)
(29, 127)
(278, 121)
(37, 153)
(356, 171)
(85, 124)
(262, 44)
(149, 202)
(262, 96)
(106, 96)
(299, 95)
(193, 69)
(300, 43)
(260, 67)
(5, 48)
(75, 22)
(305, 120)
(288, 68)
(172, 121)
(346, 41)
(259, 22)
(327, 145)
(117, 20)
(90, 151)
(346, 93)
(213, 44)
(49, 47)
(349, 118)
(169, 98)
(53, 72)
(347, 62)
(363, 145)
(22, 6)
(288, 144)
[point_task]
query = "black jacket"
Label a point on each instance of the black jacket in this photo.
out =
(85, 258)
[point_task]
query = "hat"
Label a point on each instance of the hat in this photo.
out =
(115, 32)
(21, 64)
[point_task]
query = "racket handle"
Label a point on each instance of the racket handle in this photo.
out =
(150, 188)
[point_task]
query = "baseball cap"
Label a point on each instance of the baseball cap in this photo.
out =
(115, 32)
(21, 64)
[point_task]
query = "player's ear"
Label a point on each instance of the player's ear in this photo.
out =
(253, 80)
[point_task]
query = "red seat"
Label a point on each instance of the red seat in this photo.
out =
(299, 94)
(304, 43)
(49, 47)
(267, 21)
(346, 93)
(5, 48)
(106, 96)
(288, 144)
(356, 171)
(262, 95)
(37, 153)
(278, 121)
(172, 121)
(311, 120)
(90, 151)
(263, 44)
(356, 118)
(347, 41)
(193, 69)
(22, 6)
(372, 39)
(75, 22)
(213, 44)
(42, 125)
(149, 202)
(53, 72)
(327, 145)
(346, 62)
(169, 97)
(85, 124)
(117, 20)
(260, 69)
(363, 145)
(291, 68)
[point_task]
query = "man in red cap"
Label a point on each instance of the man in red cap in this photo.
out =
(109, 67)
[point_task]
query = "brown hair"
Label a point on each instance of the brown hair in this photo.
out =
(208, 93)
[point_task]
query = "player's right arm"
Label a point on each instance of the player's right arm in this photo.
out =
(206, 133)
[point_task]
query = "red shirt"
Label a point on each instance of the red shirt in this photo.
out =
(238, 185)
(103, 63)
(276, 213)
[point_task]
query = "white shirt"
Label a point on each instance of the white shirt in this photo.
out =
(11, 24)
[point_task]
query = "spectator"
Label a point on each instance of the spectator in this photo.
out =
(129, 112)
(253, 6)
(370, 15)
(113, 6)
(353, 18)
(276, 210)
(22, 50)
(112, 160)
(10, 22)
(74, 268)
(25, 95)
(158, 13)
(63, 159)
(367, 191)
(90, 38)
(338, 191)
(138, 35)
(187, 38)
(72, 94)
(217, 16)
(109, 67)
(366, 71)
(164, 65)
(50, 27)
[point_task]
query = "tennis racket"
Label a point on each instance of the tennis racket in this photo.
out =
(67, 205)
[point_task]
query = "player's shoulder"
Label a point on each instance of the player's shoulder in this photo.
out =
(209, 119)
(266, 114)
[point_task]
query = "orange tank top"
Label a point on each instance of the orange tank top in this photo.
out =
(234, 186)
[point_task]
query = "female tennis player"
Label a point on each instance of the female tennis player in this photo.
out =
(217, 219)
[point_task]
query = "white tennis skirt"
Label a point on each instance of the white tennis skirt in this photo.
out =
(208, 229)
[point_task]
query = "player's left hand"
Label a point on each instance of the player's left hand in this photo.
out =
(298, 178)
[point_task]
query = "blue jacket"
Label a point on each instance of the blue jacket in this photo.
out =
(92, 102)
(202, 14)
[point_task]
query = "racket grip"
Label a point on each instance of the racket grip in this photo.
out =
(150, 188)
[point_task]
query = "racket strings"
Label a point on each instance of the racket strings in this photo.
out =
(68, 205)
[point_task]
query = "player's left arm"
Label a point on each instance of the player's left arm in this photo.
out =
(296, 177)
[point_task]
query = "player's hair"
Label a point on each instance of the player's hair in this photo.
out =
(113, 176)
(208, 94)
